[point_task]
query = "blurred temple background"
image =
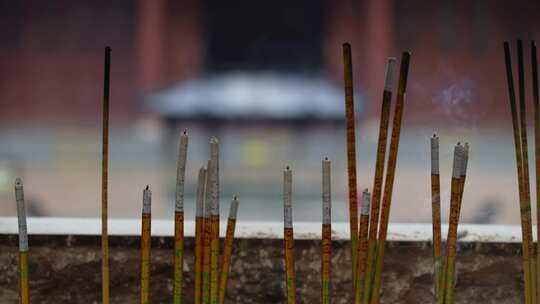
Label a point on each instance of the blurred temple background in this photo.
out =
(265, 77)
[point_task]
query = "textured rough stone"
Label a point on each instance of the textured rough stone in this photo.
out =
(66, 269)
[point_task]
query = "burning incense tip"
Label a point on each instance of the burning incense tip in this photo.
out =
(458, 159)
(287, 198)
(235, 197)
(108, 49)
(346, 45)
(21, 214)
(233, 211)
(366, 197)
(390, 72)
(287, 168)
(326, 192)
(326, 158)
(19, 194)
(435, 155)
(147, 200)
(185, 131)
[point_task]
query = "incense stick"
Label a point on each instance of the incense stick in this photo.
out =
(145, 245)
(524, 151)
(214, 223)
(199, 235)
(179, 220)
(451, 240)
(362, 247)
(289, 237)
(326, 244)
(104, 182)
(351, 152)
(525, 212)
(378, 177)
(227, 249)
(534, 64)
(436, 213)
(24, 288)
(207, 232)
(390, 174)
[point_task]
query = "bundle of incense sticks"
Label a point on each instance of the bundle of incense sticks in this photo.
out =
(447, 276)
(326, 244)
(368, 259)
(210, 279)
(519, 125)
(24, 288)
(104, 181)
(179, 220)
(145, 245)
(378, 179)
(436, 213)
(288, 236)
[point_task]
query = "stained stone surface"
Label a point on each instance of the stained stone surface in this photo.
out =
(66, 269)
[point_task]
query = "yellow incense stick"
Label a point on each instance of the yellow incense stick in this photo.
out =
(436, 213)
(199, 236)
(24, 288)
(525, 209)
(214, 223)
(290, 280)
(326, 245)
(362, 248)
(524, 151)
(227, 250)
(179, 220)
(378, 177)
(205, 298)
(536, 103)
(145, 245)
(390, 175)
(104, 182)
(451, 240)
(351, 152)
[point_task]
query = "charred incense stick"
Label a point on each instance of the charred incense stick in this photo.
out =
(379, 171)
(362, 247)
(199, 236)
(534, 63)
(351, 152)
(214, 222)
(326, 244)
(436, 213)
(290, 280)
(227, 250)
(525, 209)
(207, 232)
(390, 174)
(145, 245)
(24, 289)
(179, 220)
(524, 151)
(451, 240)
(104, 182)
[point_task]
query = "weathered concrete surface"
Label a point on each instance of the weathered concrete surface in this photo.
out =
(66, 269)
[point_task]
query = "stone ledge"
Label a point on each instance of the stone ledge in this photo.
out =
(66, 269)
